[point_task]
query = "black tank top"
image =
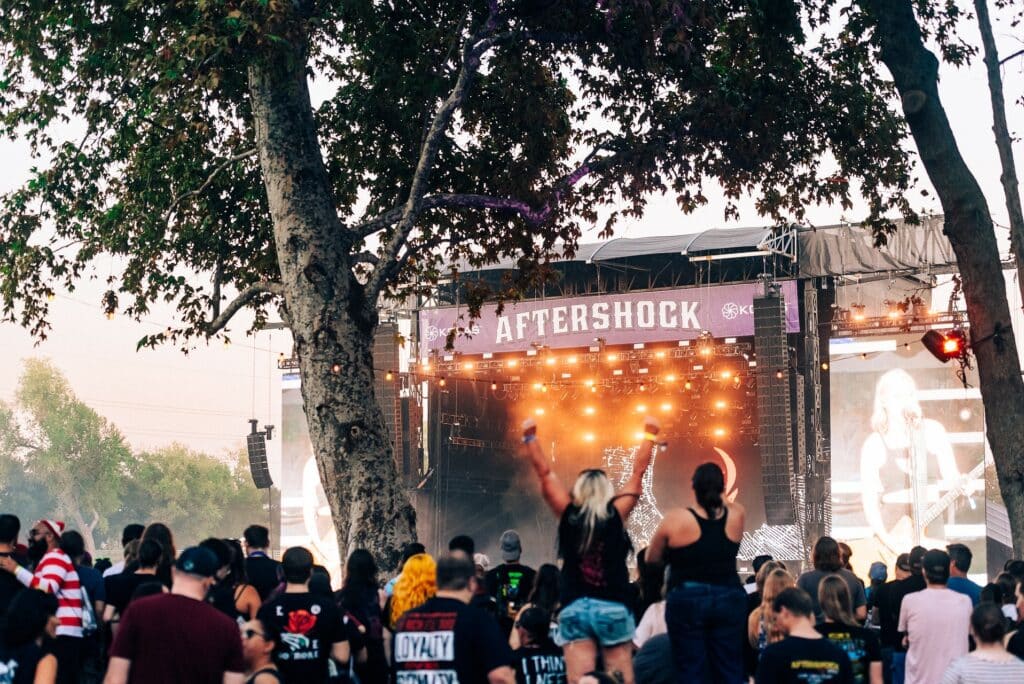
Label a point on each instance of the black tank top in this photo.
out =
(600, 570)
(709, 560)
(223, 599)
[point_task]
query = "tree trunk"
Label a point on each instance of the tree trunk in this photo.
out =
(969, 228)
(85, 529)
(330, 319)
(1003, 141)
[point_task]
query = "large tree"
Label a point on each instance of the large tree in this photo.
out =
(896, 30)
(443, 131)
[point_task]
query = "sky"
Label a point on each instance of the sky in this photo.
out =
(204, 399)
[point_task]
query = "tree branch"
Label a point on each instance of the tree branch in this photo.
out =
(475, 47)
(1006, 59)
(244, 298)
(209, 179)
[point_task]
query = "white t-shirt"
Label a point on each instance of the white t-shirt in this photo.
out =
(115, 569)
(651, 624)
(936, 622)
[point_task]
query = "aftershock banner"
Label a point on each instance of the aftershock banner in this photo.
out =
(648, 316)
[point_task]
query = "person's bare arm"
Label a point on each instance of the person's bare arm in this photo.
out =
(875, 673)
(861, 614)
(659, 542)
(555, 493)
(46, 670)
(340, 652)
(501, 675)
(117, 671)
(234, 678)
(630, 493)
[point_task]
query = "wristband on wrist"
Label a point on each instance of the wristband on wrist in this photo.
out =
(651, 437)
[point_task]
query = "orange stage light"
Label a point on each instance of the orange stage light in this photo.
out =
(589, 411)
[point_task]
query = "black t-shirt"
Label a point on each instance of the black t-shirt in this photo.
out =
(890, 597)
(120, 588)
(540, 664)
(653, 663)
(599, 571)
(18, 665)
(261, 572)
(860, 644)
(444, 641)
(310, 626)
(796, 660)
(1016, 644)
(9, 587)
(510, 585)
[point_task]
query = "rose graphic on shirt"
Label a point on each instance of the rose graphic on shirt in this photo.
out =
(300, 622)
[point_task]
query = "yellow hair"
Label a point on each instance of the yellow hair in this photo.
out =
(416, 584)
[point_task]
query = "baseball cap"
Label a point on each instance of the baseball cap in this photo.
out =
(917, 556)
(878, 572)
(195, 560)
(903, 562)
(482, 560)
(936, 564)
(511, 546)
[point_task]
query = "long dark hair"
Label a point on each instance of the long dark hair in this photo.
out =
(162, 533)
(358, 592)
(825, 556)
(236, 575)
(545, 588)
(708, 486)
(26, 617)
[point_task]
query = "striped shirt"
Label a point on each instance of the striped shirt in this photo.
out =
(56, 575)
(974, 670)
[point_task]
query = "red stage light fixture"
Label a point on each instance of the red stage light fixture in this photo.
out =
(951, 345)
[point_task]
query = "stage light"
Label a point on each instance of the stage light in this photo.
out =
(666, 407)
(336, 368)
(511, 363)
(659, 355)
(389, 376)
(425, 364)
(50, 296)
(643, 387)
(951, 345)
(737, 381)
(641, 408)
(494, 385)
(726, 374)
(824, 365)
(588, 383)
(539, 412)
(638, 436)
(571, 360)
(688, 385)
(779, 375)
(442, 382)
(543, 388)
(467, 366)
(670, 378)
(719, 432)
(858, 312)
(588, 437)
(612, 358)
(706, 351)
(593, 388)
(537, 386)
(589, 411)
(550, 361)
(720, 404)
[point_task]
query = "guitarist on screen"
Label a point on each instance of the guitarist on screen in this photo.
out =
(899, 501)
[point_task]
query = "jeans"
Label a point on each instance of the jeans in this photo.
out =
(899, 666)
(707, 626)
(887, 652)
(606, 623)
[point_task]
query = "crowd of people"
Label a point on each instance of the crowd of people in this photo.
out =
(225, 611)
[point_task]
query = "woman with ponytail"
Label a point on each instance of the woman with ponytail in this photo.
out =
(706, 608)
(593, 545)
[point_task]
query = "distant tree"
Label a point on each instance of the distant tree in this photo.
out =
(69, 453)
(451, 130)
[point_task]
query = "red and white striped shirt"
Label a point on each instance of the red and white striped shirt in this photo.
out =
(56, 575)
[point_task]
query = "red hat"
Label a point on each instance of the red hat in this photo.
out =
(56, 526)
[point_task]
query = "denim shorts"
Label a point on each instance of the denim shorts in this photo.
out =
(589, 619)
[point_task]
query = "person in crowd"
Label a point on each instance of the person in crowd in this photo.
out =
(55, 573)
(481, 564)
(751, 586)
(120, 588)
(653, 663)
(462, 543)
(150, 588)
(651, 624)
(537, 660)
(544, 595)
(93, 658)
(989, 663)
(593, 545)
(361, 599)
(649, 585)
(262, 571)
(1008, 589)
(10, 526)
(1015, 568)
(178, 637)
(960, 562)
(449, 638)
(259, 642)
(827, 560)
(908, 579)
(1015, 640)
(415, 586)
(804, 655)
(845, 554)
(102, 564)
(859, 643)
(162, 533)
(936, 622)
(30, 621)
(232, 594)
(762, 629)
(761, 613)
(877, 576)
(511, 582)
(408, 551)
(706, 608)
(130, 533)
(311, 628)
